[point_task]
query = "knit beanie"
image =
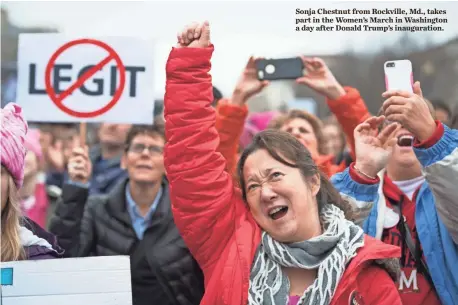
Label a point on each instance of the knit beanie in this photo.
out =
(256, 122)
(13, 132)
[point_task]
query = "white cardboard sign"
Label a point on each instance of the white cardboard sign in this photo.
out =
(74, 79)
(103, 280)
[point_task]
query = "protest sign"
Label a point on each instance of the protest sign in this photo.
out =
(101, 280)
(70, 79)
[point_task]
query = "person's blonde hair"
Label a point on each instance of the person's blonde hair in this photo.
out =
(11, 247)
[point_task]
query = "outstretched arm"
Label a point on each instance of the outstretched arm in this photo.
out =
(435, 147)
(232, 113)
(359, 183)
(345, 102)
(201, 190)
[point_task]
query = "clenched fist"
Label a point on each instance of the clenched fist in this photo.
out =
(194, 35)
(79, 165)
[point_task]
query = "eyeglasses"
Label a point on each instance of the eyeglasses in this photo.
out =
(140, 148)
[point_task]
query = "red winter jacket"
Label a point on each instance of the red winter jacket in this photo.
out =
(209, 210)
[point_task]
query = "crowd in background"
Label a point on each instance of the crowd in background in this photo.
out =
(50, 145)
(115, 195)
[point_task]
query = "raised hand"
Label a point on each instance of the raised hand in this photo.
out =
(79, 165)
(373, 149)
(194, 35)
(318, 77)
(55, 157)
(411, 111)
(248, 83)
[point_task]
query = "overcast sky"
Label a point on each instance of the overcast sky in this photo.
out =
(239, 29)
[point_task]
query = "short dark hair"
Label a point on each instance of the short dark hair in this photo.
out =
(287, 150)
(217, 95)
(454, 119)
(439, 104)
(157, 129)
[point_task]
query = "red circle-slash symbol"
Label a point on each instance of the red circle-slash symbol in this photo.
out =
(58, 99)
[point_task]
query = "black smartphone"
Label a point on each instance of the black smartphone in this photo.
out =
(280, 68)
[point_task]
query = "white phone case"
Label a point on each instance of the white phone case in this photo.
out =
(399, 75)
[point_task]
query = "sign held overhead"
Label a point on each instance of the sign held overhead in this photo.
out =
(61, 79)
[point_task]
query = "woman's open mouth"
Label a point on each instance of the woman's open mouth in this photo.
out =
(278, 212)
(405, 140)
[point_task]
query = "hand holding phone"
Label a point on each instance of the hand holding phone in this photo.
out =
(279, 69)
(248, 83)
(318, 77)
(411, 111)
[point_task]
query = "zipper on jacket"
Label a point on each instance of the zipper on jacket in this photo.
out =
(155, 268)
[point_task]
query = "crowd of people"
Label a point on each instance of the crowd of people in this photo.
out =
(216, 205)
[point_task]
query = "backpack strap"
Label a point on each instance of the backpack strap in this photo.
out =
(413, 246)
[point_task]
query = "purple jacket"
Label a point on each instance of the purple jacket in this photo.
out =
(38, 243)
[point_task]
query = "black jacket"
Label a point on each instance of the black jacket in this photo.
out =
(162, 268)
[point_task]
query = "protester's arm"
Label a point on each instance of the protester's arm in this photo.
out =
(435, 147)
(67, 221)
(230, 121)
(345, 102)
(232, 113)
(72, 221)
(360, 183)
(202, 192)
(361, 193)
(439, 158)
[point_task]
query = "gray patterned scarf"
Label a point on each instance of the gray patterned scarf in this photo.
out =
(329, 252)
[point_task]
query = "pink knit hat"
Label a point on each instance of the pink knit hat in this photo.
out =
(14, 130)
(249, 131)
(255, 123)
(261, 120)
(32, 142)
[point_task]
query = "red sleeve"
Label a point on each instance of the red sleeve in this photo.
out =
(327, 166)
(230, 121)
(377, 287)
(350, 110)
(201, 191)
(436, 136)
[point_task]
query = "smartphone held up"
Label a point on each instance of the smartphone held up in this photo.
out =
(398, 75)
(280, 68)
